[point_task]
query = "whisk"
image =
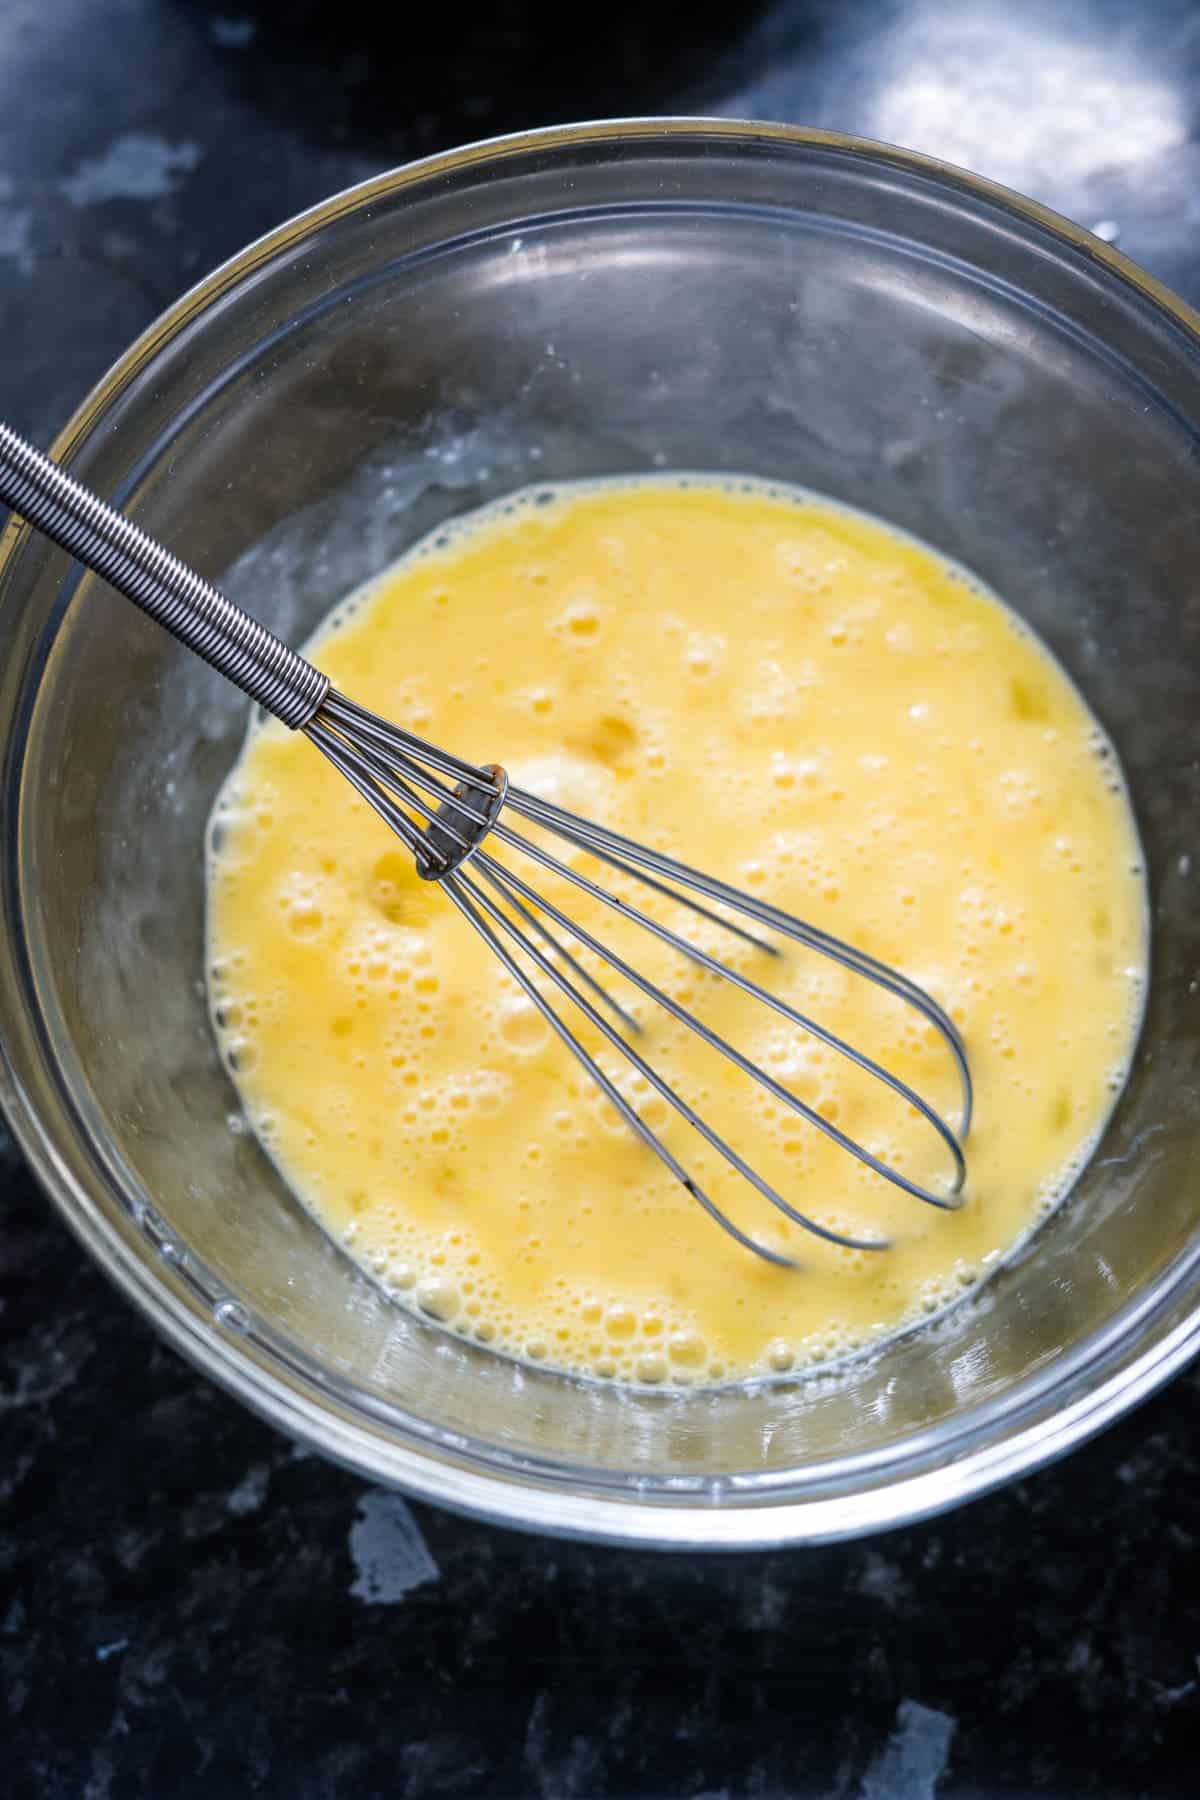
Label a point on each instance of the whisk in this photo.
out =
(451, 815)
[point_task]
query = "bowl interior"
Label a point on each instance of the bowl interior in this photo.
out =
(794, 310)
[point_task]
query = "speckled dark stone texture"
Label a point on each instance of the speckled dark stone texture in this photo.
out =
(188, 1605)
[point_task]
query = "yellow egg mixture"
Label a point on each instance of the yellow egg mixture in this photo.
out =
(799, 700)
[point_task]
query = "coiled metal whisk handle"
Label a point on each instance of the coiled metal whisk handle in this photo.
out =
(192, 609)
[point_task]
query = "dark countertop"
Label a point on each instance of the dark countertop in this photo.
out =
(188, 1604)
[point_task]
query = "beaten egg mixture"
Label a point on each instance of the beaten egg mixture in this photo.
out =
(789, 695)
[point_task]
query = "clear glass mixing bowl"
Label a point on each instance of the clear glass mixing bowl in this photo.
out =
(578, 302)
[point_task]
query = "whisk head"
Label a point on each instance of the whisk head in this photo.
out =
(456, 819)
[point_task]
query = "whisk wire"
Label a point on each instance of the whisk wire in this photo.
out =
(352, 766)
(649, 1136)
(729, 1051)
(572, 962)
(614, 861)
(627, 854)
(348, 716)
(663, 1087)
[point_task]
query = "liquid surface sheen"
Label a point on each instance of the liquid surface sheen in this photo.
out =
(799, 700)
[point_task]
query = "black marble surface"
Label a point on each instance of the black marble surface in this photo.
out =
(190, 1606)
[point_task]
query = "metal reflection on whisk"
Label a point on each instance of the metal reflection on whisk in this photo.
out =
(446, 812)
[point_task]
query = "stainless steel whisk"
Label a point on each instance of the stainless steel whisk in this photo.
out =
(449, 814)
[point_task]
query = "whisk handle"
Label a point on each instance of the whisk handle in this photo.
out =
(142, 569)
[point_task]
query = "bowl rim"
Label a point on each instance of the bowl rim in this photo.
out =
(503, 1490)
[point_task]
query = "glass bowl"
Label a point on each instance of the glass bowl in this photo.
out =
(578, 302)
